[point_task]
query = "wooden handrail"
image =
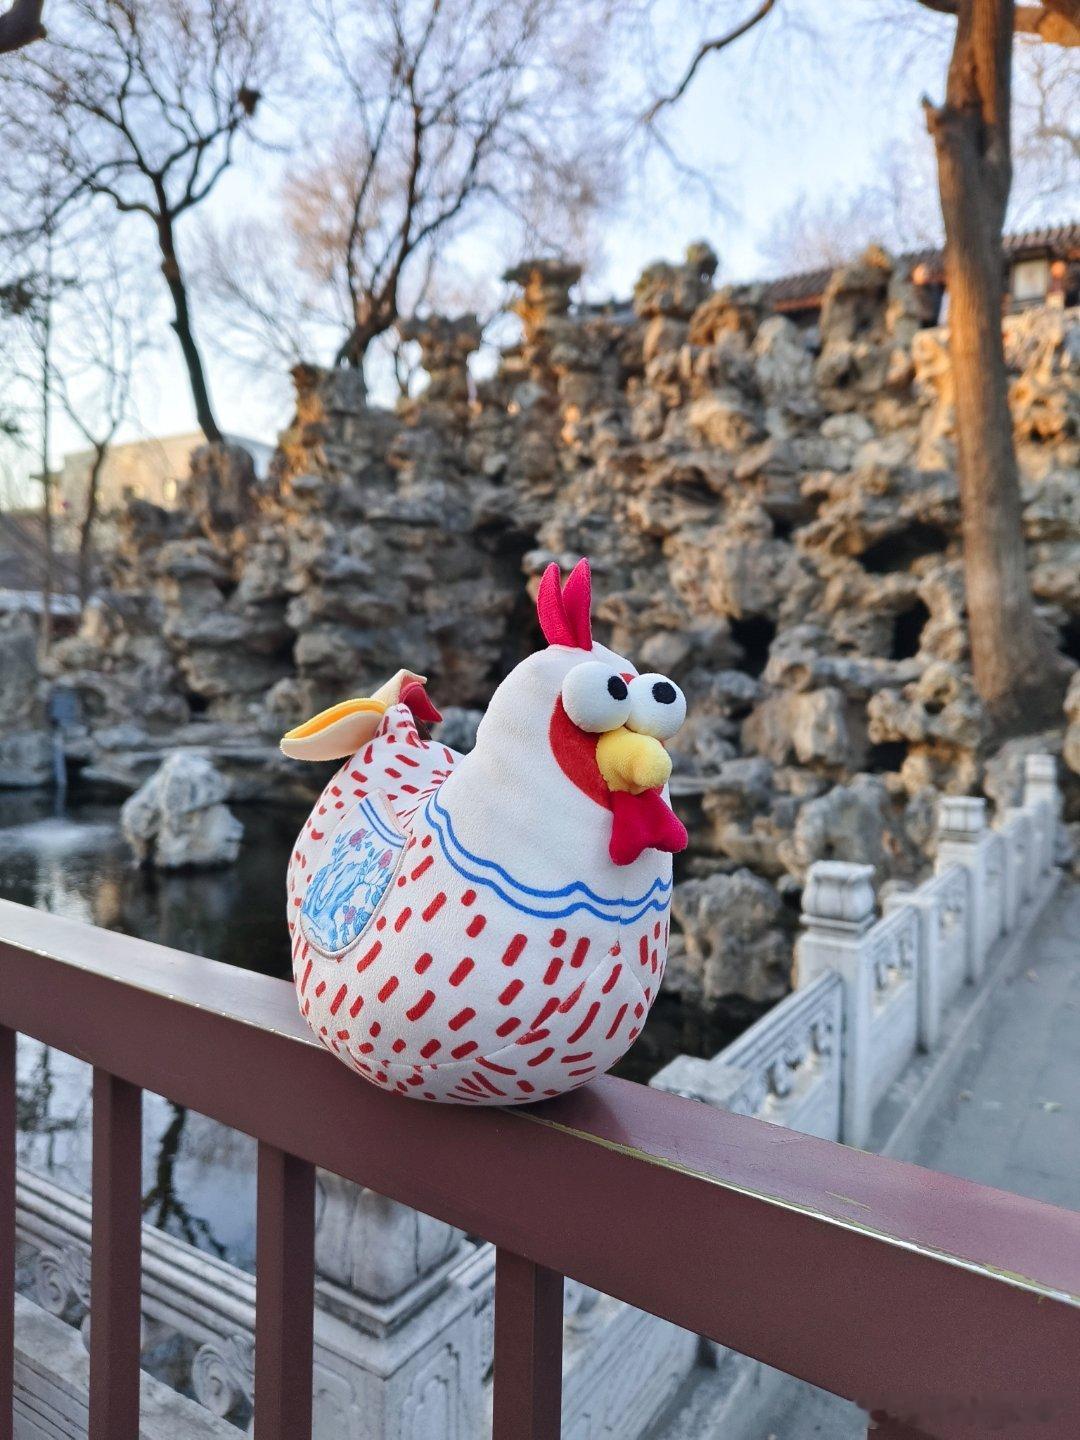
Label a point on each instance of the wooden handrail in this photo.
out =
(903, 1289)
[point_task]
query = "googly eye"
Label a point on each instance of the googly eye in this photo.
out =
(595, 697)
(657, 706)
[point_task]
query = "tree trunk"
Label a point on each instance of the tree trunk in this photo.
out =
(21, 25)
(353, 350)
(174, 278)
(1017, 671)
(48, 584)
(86, 529)
(375, 314)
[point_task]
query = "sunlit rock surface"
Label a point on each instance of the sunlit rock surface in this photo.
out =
(773, 518)
(178, 819)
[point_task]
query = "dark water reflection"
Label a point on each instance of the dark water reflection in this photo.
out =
(78, 865)
(198, 1177)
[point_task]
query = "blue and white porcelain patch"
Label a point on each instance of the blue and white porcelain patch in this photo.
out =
(345, 892)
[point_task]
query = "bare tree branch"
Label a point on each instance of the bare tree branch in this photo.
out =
(138, 103)
(708, 47)
(1055, 21)
(447, 114)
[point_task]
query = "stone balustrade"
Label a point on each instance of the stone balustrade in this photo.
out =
(403, 1324)
(875, 994)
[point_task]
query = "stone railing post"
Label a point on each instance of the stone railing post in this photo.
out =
(413, 1341)
(696, 1079)
(961, 832)
(928, 975)
(837, 912)
(1023, 832)
(1012, 830)
(1041, 791)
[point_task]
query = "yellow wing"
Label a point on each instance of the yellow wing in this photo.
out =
(340, 731)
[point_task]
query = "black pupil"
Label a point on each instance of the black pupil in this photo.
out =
(663, 692)
(617, 687)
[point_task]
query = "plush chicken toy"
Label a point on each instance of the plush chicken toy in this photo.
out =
(491, 929)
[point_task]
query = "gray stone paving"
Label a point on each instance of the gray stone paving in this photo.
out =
(1010, 1116)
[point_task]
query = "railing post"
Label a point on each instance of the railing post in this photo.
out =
(961, 829)
(996, 920)
(1023, 845)
(882, 1428)
(115, 1259)
(708, 1081)
(837, 911)
(284, 1295)
(1041, 789)
(928, 972)
(7, 1233)
(1033, 867)
(528, 1350)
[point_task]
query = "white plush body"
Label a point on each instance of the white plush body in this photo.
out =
(505, 958)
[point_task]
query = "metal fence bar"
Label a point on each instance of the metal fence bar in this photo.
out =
(115, 1259)
(7, 1232)
(528, 1350)
(284, 1296)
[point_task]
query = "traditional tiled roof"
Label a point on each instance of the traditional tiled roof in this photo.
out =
(809, 286)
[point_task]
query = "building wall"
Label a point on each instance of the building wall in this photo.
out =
(149, 469)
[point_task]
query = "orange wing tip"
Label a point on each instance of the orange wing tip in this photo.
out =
(335, 733)
(340, 731)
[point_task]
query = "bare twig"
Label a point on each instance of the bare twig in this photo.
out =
(708, 47)
(142, 110)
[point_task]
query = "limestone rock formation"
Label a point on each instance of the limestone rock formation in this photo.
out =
(1071, 746)
(773, 517)
(25, 743)
(728, 939)
(179, 818)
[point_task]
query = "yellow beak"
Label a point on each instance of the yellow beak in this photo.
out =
(629, 761)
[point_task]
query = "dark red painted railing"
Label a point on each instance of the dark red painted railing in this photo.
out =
(952, 1308)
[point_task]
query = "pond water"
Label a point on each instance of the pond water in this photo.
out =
(198, 1177)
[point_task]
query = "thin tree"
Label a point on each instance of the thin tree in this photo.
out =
(1017, 670)
(450, 102)
(104, 331)
(27, 306)
(140, 104)
(1048, 106)
(436, 116)
(43, 321)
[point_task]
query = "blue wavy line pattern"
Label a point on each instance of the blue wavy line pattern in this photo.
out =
(625, 911)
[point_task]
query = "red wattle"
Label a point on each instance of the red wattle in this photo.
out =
(643, 822)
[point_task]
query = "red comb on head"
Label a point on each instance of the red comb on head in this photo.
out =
(564, 612)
